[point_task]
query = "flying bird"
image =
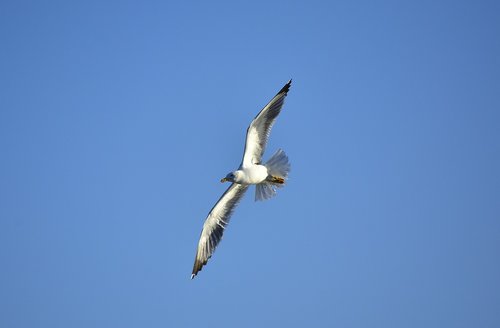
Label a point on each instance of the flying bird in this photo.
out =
(265, 176)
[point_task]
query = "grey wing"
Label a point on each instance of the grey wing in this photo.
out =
(214, 225)
(260, 128)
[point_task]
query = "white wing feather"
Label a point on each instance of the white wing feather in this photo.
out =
(214, 226)
(260, 128)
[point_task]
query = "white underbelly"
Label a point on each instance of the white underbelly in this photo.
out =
(254, 174)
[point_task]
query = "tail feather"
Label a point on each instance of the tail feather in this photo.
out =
(278, 168)
(264, 190)
(278, 165)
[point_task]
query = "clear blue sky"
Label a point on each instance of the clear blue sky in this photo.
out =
(118, 119)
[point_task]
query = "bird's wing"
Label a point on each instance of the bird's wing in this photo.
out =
(214, 225)
(259, 129)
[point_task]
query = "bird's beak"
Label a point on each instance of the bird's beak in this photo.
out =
(223, 180)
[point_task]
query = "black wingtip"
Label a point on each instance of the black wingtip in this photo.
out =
(286, 87)
(198, 266)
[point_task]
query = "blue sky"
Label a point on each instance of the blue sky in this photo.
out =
(117, 120)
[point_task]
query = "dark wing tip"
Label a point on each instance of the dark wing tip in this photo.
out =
(196, 268)
(198, 265)
(286, 87)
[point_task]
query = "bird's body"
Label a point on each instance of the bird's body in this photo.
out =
(252, 174)
(266, 177)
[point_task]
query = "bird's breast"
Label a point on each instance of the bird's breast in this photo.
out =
(254, 174)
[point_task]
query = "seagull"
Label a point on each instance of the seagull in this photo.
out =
(266, 178)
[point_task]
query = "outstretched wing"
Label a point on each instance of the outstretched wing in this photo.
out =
(260, 128)
(214, 226)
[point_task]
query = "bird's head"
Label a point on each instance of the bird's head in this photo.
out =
(229, 177)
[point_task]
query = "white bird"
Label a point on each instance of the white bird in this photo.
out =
(266, 177)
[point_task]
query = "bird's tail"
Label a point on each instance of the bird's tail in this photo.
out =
(278, 168)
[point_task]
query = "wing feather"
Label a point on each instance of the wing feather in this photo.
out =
(260, 128)
(214, 225)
